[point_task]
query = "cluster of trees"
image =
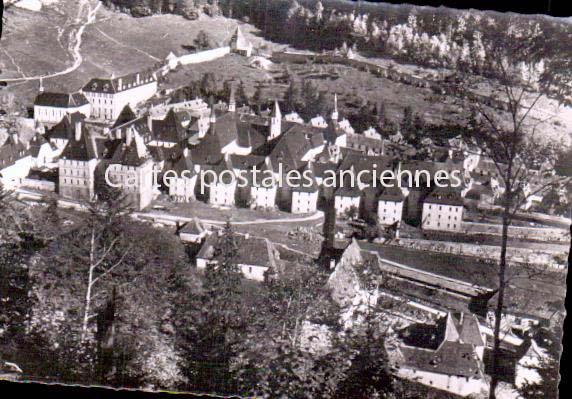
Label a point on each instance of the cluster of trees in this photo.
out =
(82, 304)
(85, 305)
(188, 8)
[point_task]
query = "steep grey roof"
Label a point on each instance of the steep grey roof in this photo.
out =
(10, 152)
(36, 144)
(391, 194)
(126, 115)
(445, 196)
(84, 149)
(451, 358)
(289, 148)
(169, 129)
(194, 227)
(60, 100)
(208, 150)
(128, 155)
(64, 129)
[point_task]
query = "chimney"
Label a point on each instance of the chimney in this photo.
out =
(186, 152)
(15, 138)
(138, 78)
(128, 135)
(149, 122)
(41, 88)
(120, 83)
(78, 130)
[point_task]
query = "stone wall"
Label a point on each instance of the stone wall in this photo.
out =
(491, 252)
(536, 233)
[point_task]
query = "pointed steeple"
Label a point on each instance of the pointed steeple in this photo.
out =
(275, 121)
(335, 111)
(276, 111)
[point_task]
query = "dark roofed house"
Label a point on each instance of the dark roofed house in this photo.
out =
(256, 257)
(130, 167)
(294, 147)
(50, 108)
(221, 183)
(125, 116)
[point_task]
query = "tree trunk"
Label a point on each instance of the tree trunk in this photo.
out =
(500, 301)
(89, 285)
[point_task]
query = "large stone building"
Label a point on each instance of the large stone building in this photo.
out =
(77, 165)
(108, 96)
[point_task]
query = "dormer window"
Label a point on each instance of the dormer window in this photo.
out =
(106, 87)
(94, 86)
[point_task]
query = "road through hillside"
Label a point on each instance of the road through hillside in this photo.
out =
(74, 43)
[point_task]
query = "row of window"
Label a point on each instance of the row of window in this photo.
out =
(74, 172)
(439, 216)
(451, 208)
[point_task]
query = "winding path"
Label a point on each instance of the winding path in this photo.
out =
(75, 45)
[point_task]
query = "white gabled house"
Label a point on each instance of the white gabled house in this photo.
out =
(390, 206)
